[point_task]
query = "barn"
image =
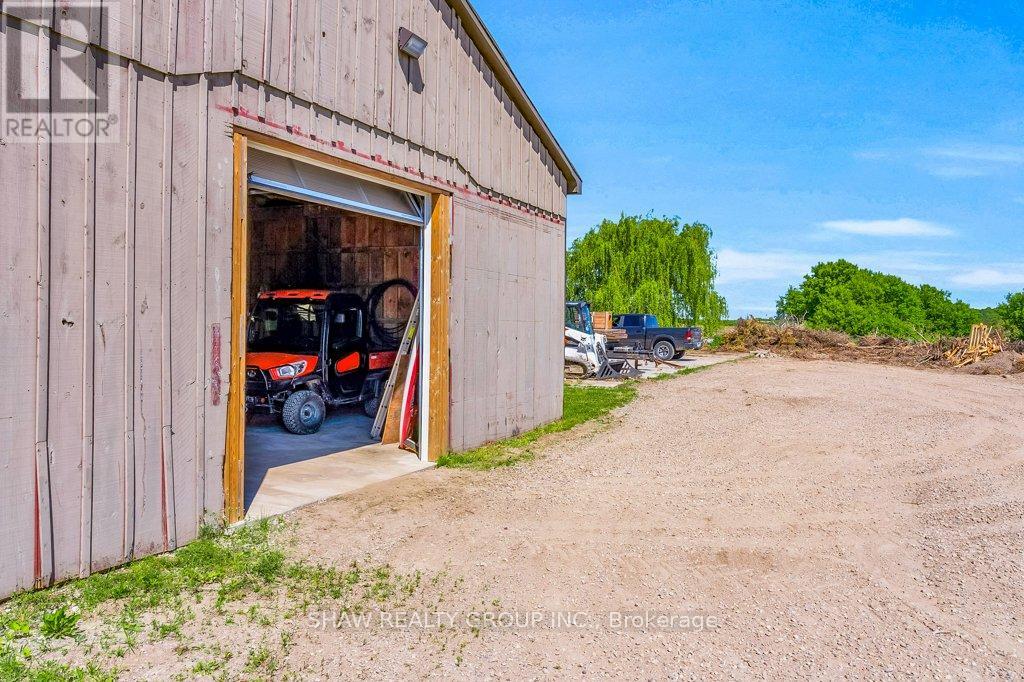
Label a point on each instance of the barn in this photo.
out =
(170, 165)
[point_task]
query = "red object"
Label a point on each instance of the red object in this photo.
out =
(383, 360)
(689, 335)
(271, 361)
(313, 294)
(347, 364)
(215, 364)
(409, 401)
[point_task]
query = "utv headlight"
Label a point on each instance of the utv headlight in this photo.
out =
(291, 371)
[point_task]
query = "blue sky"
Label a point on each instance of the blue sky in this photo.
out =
(888, 133)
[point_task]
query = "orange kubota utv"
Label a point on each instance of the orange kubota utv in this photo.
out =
(311, 349)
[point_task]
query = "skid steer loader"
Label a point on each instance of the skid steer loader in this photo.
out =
(586, 352)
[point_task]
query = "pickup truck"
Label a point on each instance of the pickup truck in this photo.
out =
(643, 332)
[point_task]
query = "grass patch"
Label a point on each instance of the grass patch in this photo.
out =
(239, 578)
(16, 669)
(244, 558)
(581, 404)
(231, 565)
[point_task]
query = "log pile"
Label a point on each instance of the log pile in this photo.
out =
(982, 344)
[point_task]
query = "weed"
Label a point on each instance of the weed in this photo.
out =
(59, 623)
(18, 629)
(130, 627)
(383, 587)
(207, 667)
(287, 640)
(262, 659)
(17, 665)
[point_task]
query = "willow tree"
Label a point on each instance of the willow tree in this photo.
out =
(643, 264)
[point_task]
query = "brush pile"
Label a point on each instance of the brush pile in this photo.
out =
(987, 355)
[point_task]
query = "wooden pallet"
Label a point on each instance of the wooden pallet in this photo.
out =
(983, 343)
(602, 321)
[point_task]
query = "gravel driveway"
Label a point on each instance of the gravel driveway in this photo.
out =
(807, 518)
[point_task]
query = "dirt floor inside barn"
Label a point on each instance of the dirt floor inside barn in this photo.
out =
(778, 516)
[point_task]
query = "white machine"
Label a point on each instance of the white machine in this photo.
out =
(586, 353)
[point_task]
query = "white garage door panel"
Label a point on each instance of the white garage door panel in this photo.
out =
(298, 180)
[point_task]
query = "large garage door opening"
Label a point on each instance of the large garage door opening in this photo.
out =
(333, 338)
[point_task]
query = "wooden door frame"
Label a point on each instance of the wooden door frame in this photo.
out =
(437, 268)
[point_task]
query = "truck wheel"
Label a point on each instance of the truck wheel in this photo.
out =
(303, 413)
(664, 350)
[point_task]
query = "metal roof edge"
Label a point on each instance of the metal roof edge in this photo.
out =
(488, 47)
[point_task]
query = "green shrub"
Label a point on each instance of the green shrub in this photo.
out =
(847, 298)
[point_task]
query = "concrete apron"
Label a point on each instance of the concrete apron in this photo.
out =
(284, 471)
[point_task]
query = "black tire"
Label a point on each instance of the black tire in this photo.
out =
(303, 413)
(384, 336)
(664, 350)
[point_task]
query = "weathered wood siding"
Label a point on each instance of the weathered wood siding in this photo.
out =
(507, 323)
(460, 127)
(115, 260)
(116, 254)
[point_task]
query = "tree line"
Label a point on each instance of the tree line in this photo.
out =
(842, 296)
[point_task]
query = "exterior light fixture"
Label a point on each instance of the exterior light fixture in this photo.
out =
(411, 44)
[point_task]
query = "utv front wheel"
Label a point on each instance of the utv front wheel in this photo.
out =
(303, 413)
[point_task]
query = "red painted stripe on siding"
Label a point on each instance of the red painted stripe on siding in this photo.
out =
(525, 209)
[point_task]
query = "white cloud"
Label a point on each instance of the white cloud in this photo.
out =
(991, 277)
(762, 266)
(875, 154)
(908, 264)
(901, 227)
(958, 172)
(782, 265)
(971, 160)
(986, 153)
(954, 160)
